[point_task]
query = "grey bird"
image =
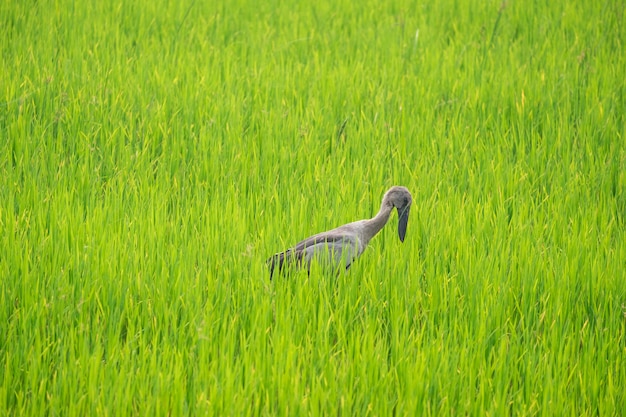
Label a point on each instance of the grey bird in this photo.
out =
(339, 247)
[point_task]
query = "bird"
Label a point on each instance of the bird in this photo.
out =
(339, 247)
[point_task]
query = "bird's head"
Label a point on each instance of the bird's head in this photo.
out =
(400, 198)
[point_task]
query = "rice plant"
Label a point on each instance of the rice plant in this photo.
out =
(154, 154)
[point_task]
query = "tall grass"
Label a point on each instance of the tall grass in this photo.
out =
(154, 154)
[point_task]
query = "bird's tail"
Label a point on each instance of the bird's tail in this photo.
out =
(275, 261)
(281, 260)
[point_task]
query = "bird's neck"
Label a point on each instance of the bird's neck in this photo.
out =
(373, 225)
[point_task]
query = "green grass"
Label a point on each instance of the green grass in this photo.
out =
(153, 154)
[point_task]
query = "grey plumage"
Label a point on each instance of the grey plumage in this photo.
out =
(339, 247)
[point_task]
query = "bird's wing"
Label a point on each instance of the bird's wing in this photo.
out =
(333, 244)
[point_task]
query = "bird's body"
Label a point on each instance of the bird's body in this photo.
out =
(339, 247)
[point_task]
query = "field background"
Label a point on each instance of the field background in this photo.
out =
(153, 154)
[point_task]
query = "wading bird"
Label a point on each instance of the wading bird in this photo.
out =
(339, 247)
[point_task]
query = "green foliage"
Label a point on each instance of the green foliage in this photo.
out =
(154, 154)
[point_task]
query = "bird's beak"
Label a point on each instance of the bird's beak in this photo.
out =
(403, 219)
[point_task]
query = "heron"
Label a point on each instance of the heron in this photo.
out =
(339, 247)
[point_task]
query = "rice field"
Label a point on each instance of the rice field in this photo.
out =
(154, 154)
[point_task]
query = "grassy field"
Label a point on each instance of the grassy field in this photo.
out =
(153, 154)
